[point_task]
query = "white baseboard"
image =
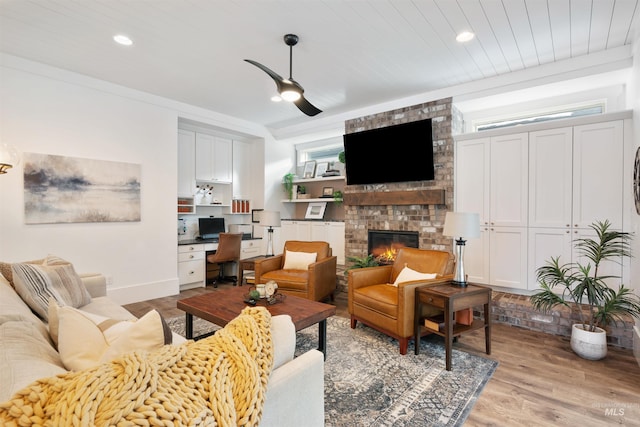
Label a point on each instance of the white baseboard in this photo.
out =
(144, 291)
(636, 343)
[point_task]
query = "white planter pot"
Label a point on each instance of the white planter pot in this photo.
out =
(589, 345)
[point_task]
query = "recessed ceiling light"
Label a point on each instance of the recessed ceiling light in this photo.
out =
(122, 39)
(465, 36)
(276, 98)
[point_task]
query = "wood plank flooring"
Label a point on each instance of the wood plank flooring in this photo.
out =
(539, 382)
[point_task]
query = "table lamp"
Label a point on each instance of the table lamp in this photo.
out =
(461, 225)
(270, 219)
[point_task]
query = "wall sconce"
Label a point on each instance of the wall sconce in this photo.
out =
(9, 157)
(461, 225)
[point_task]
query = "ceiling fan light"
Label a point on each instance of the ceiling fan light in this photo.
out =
(276, 98)
(290, 95)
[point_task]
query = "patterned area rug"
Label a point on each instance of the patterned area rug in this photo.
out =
(368, 383)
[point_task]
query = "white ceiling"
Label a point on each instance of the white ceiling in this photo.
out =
(351, 54)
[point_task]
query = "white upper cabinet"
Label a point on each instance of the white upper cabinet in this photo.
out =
(214, 158)
(472, 177)
(551, 177)
(186, 162)
(598, 173)
(241, 170)
(509, 180)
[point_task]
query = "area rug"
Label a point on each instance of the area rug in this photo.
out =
(369, 384)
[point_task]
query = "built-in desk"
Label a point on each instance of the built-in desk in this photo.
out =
(192, 262)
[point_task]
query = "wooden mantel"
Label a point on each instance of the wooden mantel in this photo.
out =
(382, 198)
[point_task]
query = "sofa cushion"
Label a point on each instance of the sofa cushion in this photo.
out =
(380, 298)
(86, 340)
(283, 336)
(298, 260)
(25, 356)
(37, 284)
(13, 309)
(5, 268)
(409, 275)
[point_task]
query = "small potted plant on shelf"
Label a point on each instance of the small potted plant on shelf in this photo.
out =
(287, 181)
(586, 285)
(337, 197)
(302, 192)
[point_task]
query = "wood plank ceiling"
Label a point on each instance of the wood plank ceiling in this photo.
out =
(351, 53)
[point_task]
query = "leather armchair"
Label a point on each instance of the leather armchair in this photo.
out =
(389, 309)
(316, 283)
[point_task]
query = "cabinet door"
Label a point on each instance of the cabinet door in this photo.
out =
(472, 177)
(550, 178)
(303, 230)
(509, 180)
(288, 231)
(186, 162)
(545, 243)
(241, 170)
(204, 157)
(597, 174)
(476, 257)
(332, 233)
(222, 159)
(508, 257)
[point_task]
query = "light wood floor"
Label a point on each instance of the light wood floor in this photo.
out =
(539, 381)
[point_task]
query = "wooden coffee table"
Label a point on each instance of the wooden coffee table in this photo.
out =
(223, 305)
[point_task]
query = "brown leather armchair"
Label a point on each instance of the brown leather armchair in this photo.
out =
(316, 282)
(389, 309)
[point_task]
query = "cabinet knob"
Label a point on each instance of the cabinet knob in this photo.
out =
(430, 299)
(568, 232)
(576, 225)
(190, 256)
(191, 272)
(568, 225)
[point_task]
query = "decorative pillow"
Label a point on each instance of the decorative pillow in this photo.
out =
(298, 260)
(86, 340)
(408, 275)
(37, 284)
(5, 269)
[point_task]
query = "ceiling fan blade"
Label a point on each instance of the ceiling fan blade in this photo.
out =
(275, 76)
(306, 107)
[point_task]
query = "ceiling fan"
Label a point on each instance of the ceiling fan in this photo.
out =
(289, 89)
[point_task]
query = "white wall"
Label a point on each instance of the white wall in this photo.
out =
(50, 111)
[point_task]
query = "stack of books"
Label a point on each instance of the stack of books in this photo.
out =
(435, 323)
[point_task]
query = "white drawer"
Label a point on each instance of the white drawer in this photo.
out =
(190, 248)
(191, 271)
(190, 256)
(249, 252)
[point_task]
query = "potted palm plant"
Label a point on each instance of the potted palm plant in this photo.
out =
(580, 284)
(287, 181)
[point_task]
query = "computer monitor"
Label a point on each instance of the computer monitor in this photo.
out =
(210, 228)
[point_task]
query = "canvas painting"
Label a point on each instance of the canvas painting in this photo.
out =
(60, 189)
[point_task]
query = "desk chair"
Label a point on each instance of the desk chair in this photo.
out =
(228, 251)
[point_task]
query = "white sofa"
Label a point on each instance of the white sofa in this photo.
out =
(295, 394)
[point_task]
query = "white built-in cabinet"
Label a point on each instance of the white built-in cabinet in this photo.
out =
(241, 170)
(492, 180)
(576, 179)
(186, 163)
(214, 158)
(326, 231)
(536, 192)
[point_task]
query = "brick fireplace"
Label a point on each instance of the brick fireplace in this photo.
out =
(417, 206)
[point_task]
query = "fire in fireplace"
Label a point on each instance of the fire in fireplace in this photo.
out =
(385, 244)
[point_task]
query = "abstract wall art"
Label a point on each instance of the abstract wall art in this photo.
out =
(60, 189)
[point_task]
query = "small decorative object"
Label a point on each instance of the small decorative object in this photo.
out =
(327, 191)
(270, 288)
(255, 215)
(316, 210)
(309, 169)
(321, 169)
(583, 284)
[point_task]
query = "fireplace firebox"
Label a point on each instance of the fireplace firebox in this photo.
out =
(385, 244)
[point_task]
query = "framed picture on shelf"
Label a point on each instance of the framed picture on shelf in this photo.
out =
(327, 191)
(321, 169)
(316, 210)
(309, 169)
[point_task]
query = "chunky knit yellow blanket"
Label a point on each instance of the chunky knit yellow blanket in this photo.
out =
(217, 381)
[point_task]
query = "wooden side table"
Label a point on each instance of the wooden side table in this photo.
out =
(247, 264)
(451, 298)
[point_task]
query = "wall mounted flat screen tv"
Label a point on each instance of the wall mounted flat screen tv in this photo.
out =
(210, 228)
(395, 153)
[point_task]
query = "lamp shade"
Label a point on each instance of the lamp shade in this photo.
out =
(462, 224)
(270, 218)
